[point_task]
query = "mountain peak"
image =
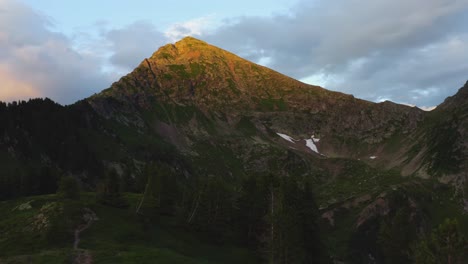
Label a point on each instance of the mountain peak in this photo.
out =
(191, 71)
(460, 99)
(465, 88)
(190, 49)
(191, 40)
(191, 43)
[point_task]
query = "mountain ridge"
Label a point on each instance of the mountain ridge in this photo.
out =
(457, 100)
(214, 80)
(233, 148)
(191, 50)
(224, 90)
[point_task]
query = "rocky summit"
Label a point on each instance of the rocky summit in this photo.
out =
(230, 91)
(235, 155)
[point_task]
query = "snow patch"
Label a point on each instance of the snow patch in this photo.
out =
(310, 144)
(372, 157)
(315, 139)
(286, 137)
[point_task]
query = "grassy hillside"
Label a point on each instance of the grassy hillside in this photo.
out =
(40, 229)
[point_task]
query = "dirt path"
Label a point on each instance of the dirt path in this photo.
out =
(83, 256)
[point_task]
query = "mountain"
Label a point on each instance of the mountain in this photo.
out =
(246, 155)
(226, 89)
(441, 145)
(456, 101)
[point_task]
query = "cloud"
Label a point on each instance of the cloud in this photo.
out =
(408, 51)
(421, 76)
(13, 89)
(37, 62)
(131, 44)
(128, 46)
(193, 27)
(428, 108)
(373, 49)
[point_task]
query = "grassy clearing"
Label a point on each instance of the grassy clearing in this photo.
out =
(356, 179)
(119, 236)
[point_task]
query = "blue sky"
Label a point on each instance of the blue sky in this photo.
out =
(69, 15)
(409, 51)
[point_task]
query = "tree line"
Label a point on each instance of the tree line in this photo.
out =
(275, 216)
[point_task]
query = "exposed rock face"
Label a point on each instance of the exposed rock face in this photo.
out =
(201, 95)
(379, 207)
(192, 94)
(225, 88)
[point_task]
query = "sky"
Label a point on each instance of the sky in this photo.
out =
(412, 52)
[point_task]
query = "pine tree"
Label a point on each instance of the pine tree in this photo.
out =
(109, 191)
(68, 188)
(446, 244)
(395, 236)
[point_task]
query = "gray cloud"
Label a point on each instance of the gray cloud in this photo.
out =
(423, 76)
(130, 45)
(408, 51)
(37, 62)
(373, 49)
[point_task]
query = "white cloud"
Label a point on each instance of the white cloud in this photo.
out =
(35, 61)
(372, 49)
(194, 27)
(428, 108)
(411, 51)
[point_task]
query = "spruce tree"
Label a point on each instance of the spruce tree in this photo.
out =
(109, 191)
(68, 188)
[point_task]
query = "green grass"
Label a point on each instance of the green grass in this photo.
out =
(393, 144)
(246, 126)
(357, 178)
(119, 236)
(180, 70)
(337, 238)
(44, 257)
(271, 104)
(165, 55)
(196, 69)
(435, 202)
(21, 242)
(444, 203)
(233, 87)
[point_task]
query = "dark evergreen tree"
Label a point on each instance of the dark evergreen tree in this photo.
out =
(108, 191)
(68, 188)
(289, 223)
(161, 195)
(395, 236)
(252, 209)
(445, 244)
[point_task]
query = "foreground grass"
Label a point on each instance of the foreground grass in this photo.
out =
(119, 236)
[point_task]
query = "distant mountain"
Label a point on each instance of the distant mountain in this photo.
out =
(201, 113)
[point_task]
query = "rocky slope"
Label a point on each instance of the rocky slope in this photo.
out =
(203, 111)
(440, 142)
(226, 89)
(230, 118)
